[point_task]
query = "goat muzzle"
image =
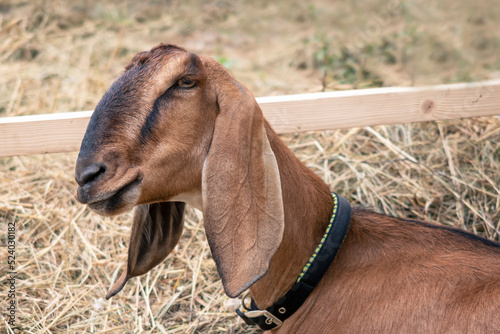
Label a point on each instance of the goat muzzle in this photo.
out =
(106, 190)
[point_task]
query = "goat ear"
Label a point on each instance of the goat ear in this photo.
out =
(156, 230)
(242, 202)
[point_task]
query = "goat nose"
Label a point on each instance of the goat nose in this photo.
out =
(85, 174)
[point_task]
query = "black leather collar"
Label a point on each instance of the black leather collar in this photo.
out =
(311, 275)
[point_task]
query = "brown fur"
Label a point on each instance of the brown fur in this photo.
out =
(265, 212)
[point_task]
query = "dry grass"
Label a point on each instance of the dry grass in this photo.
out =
(58, 56)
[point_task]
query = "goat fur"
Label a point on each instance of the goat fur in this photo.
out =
(151, 141)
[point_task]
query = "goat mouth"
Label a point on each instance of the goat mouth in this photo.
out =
(117, 201)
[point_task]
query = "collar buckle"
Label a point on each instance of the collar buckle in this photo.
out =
(258, 316)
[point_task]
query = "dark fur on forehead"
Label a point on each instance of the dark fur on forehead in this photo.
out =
(153, 55)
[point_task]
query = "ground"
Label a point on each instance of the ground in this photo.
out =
(60, 56)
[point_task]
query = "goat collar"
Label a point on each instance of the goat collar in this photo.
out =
(314, 270)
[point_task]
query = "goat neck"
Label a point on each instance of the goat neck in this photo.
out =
(308, 205)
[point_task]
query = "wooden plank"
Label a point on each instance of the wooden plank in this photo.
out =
(50, 133)
(292, 113)
(392, 105)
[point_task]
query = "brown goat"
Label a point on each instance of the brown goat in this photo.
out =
(178, 128)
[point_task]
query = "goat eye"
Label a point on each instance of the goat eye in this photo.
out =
(186, 83)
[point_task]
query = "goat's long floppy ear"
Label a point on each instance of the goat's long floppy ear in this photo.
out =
(242, 201)
(156, 230)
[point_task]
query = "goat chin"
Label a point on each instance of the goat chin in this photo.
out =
(117, 204)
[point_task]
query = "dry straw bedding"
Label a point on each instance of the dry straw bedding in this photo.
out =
(61, 55)
(67, 256)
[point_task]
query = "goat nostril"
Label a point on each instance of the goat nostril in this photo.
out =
(90, 173)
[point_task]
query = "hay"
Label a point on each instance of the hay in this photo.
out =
(53, 60)
(67, 256)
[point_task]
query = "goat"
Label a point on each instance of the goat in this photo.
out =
(177, 128)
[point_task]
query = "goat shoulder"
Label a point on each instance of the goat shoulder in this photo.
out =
(401, 276)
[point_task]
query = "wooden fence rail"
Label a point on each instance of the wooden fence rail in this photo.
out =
(63, 132)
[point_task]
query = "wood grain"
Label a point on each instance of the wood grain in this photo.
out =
(63, 132)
